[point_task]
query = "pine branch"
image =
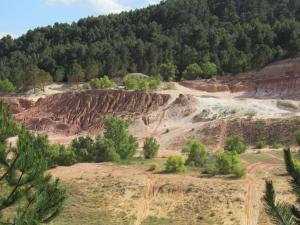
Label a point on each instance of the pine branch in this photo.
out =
(280, 213)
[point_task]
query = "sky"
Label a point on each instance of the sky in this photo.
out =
(18, 16)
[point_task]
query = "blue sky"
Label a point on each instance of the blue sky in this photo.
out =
(18, 16)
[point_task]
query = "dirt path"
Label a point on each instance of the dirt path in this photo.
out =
(149, 193)
(255, 190)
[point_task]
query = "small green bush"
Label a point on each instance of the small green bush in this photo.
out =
(298, 138)
(6, 86)
(134, 83)
(83, 148)
(196, 152)
(229, 163)
(234, 144)
(102, 83)
(60, 156)
(105, 150)
(153, 167)
(150, 148)
(175, 164)
(277, 146)
(260, 145)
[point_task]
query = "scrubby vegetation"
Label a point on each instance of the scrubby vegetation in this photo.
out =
(235, 144)
(102, 83)
(175, 164)
(150, 148)
(260, 145)
(134, 83)
(229, 163)
(196, 153)
(6, 86)
(234, 35)
(26, 188)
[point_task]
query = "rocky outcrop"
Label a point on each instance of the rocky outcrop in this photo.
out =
(270, 131)
(183, 106)
(18, 105)
(281, 79)
(74, 112)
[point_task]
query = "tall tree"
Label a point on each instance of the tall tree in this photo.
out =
(25, 186)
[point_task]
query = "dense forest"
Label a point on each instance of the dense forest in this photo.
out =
(235, 35)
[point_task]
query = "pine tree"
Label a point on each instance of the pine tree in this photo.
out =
(282, 213)
(25, 186)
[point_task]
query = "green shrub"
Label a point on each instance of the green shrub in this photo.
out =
(298, 138)
(277, 146)
(175, 164)
(131, 83)
(102, 83)
(234, 144)
(150, 148)
(229, 163)
(134, 83)
(260, 145)
(60, 156)
(83, 148)
(125, 144)
(6, 86)
(196, 152)
(105, 150)
(153, 167)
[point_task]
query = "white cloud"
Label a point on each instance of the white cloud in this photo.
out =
(3, 34)
(99, 6)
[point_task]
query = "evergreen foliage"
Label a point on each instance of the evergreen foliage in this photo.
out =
(25, 185)
(196, 152)
(235, 144)
(150, 148)
(175, 164)
(234, 35)
(281, 212)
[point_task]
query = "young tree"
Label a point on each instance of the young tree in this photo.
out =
(117, 131)
(25, 185)
(168, 71)
(150, 148)
(76, 74)
(192, 72)
(6, 86)
(281, 212)
(196, 152)
(229, 163)
(44, 78)
(105, 150)
(175, 164)
(83, 148)
(91, 71)
(102, 83)
(209, 69)
(235, 144)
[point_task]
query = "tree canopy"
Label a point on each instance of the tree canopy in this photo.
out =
(234, 35)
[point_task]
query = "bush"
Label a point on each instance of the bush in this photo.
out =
(153, 167)
(175, 164)
(150, 148)
(102, 83)
(83, 148)
(260, 145)
(298, 138)
(60, 156)
(196, 152)
(105, 150)
(6, 86)
(117, 131)
(277, 146)
(134, 83)
(131, 83)
(234, 144)
(229, 163)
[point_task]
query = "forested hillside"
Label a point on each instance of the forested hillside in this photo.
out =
(236, 35)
